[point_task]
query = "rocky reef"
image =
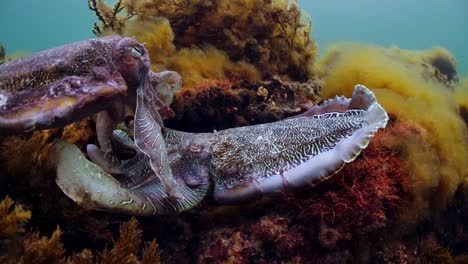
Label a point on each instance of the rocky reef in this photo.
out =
(237, 103)
(342, 219)
(214, 45)
(403, 200)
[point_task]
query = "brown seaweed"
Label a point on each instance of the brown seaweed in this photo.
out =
(274, 36)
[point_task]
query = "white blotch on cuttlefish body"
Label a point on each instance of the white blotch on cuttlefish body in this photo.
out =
(3, 99)
(300, 151)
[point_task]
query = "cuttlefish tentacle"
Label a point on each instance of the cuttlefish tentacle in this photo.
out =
(123, 144)
(90, 185)
(131, 167)
(166, 83)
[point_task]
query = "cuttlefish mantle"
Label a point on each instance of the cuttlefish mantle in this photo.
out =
(242, 163)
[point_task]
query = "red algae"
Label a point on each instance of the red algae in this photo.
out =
(365, 196)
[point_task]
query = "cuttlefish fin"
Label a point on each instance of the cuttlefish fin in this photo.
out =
(148, 128)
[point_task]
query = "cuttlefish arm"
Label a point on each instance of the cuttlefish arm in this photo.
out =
(166, 83)
(249, 162)
(185, 150)
(148, 129)
(131, 167)
(91, 186)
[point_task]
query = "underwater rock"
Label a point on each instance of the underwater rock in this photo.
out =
(222, 104)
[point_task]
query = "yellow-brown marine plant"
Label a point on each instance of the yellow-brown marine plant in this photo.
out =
(406, 90)
(33, 248)
(248, 39)
(12, 218)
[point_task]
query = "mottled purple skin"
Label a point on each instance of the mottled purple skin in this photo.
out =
(58, 86)
(79, 71)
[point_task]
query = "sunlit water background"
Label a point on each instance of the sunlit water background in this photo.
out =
(34, 25)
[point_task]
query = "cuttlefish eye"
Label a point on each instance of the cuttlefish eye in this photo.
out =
(137, 52)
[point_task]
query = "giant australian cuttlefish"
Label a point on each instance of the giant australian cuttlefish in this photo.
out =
(163, 170)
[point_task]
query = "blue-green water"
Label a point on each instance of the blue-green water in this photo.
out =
(33, 25)
(409, 24)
